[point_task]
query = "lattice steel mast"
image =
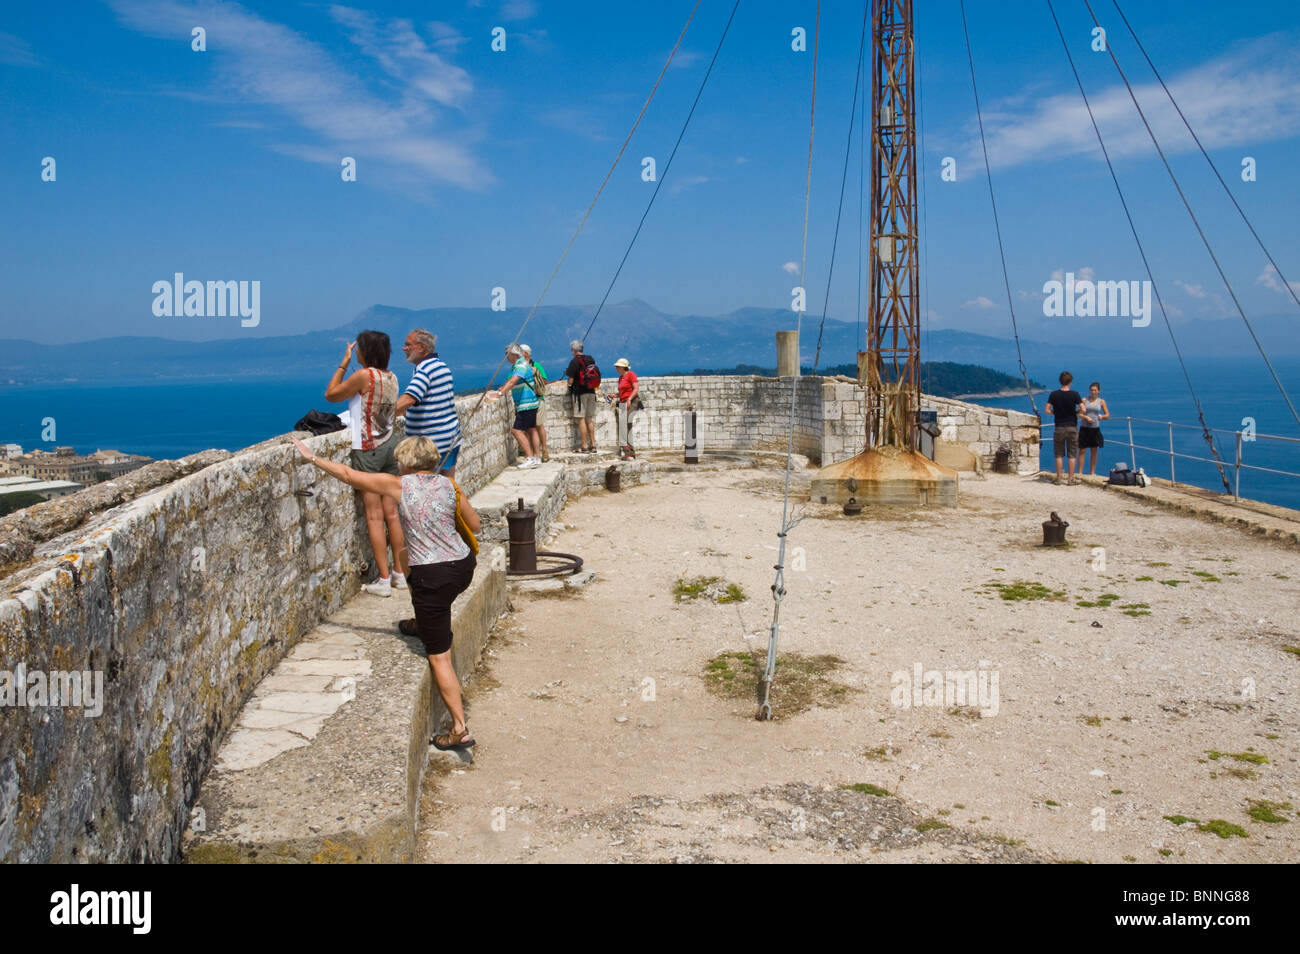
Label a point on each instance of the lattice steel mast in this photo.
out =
(891, 366)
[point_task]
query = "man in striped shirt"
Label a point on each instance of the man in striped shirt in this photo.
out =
(429, 400)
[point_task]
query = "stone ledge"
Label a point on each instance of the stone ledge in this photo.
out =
(1259, 519)
(332, 772)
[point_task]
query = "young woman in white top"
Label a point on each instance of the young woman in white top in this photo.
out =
(371, 393)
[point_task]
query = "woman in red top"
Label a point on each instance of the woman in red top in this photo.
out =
(629, 401)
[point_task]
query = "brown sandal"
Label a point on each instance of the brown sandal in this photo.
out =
(450, 740)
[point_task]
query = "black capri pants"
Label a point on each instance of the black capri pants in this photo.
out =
(434, 587)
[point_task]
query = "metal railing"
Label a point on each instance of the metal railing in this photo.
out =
(1236, 465)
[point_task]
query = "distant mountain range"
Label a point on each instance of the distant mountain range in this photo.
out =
(472, 341)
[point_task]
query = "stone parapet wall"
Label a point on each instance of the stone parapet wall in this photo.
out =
(985, 429)
(747, 412)
(182, 600)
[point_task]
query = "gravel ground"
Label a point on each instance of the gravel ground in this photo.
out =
(599, 739)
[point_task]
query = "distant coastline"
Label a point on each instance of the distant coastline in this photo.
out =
(1004, 393)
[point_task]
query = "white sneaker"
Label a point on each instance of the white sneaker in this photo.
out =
(398, 581)
(523, 464)
(532, 462)
(379, 588)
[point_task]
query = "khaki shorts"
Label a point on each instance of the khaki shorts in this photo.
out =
(377, 461)
(1065, 442)
(583, 405)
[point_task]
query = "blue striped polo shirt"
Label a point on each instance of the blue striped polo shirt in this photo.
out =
(434, 413)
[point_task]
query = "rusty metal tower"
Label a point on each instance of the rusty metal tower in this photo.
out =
(890, 368)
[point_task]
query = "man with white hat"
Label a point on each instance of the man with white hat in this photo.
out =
(540, 381)
(629, 401)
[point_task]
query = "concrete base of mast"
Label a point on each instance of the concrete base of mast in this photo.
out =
(888, 476)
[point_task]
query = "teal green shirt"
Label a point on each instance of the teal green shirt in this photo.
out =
(525, 397)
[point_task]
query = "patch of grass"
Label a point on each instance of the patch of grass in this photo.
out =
(1117, 791)
(965, 712)
(734, 594)
(1143, 579)
(1281, 576)
(1130, 858)
(931, 824)
(1224, 829)
(866, 788)
(1207, 577)
(709, 588)
(1103, 601)
(1172, 582)
(1093, 720)
(1267, 812)
(1159, 564)
(1166, 852)
(1052, 803)
(685, 589)
(1178, 819)
(1254, 758)
(878, 754)
(1025, 590)
(1293, 650)
(801, 682)
(1236, 771)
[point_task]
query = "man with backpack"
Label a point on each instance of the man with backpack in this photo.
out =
(540, 381)
(584, 381)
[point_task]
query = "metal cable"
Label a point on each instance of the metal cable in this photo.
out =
(1186, 204)
(778, 585)
(614, 165)
(1209, 437)
(1197, 140)
(659, 184)
(996, 225)
(844, 178)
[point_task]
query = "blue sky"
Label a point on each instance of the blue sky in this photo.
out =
(474, 166)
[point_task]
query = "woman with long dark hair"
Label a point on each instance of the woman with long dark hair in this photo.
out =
(371, 393)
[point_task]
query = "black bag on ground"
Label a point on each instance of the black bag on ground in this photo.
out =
(319, 422)
(1122, 476)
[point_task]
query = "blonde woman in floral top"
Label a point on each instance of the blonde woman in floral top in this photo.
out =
(442, 565)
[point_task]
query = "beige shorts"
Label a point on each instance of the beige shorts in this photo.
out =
(583, 405)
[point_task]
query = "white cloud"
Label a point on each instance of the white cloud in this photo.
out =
(446, 37)
(403, 55)
(1271, 280)
(260, 62)
(741, 160)
(1083, 274)
(1196, 291)
(684, 59)
(518, 10)
(791, 268)
(1250, 95)
(15, 51)
(681, 183)
(980, 302)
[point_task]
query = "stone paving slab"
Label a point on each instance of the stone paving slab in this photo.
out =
(326, 760)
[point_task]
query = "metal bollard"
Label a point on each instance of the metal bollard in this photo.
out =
(692, 446)
(522, 522)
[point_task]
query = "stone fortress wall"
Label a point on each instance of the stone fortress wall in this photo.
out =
(747, 412)
(187, 596)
